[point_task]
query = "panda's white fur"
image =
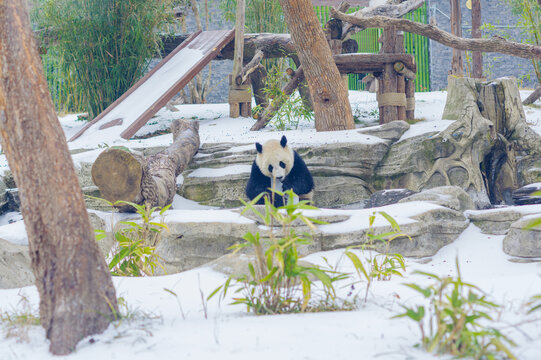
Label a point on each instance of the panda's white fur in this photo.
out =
(281, 168)
(272, 154)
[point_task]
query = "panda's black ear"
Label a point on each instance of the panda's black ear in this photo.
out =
(283, 141)
(259, 147)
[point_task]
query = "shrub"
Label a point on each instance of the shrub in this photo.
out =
(454, 322)
(276, 283)
(134, 251)
(108, 43)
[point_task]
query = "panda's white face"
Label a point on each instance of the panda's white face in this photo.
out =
(274, 158)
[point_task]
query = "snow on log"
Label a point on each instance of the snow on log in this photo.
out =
(122, 175)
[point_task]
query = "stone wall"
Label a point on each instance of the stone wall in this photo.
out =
(495, 12)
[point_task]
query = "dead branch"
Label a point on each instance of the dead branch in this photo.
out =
(533, 96)
(249, 68)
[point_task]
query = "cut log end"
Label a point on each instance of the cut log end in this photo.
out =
(117, 173)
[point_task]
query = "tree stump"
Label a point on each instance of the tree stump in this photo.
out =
(123, 175)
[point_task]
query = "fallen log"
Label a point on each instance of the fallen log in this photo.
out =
(288, 89)
(123, 175)
(533, 96)
(494, 44)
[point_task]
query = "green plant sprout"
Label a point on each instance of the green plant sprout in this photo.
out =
(454, 321)
(276, 278)
(134, 253)
(381, 266)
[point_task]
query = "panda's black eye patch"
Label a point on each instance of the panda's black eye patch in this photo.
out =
(270, 168)
(282, 165)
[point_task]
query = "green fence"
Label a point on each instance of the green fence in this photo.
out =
(368, 43)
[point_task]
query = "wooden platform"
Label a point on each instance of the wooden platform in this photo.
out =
(133, 109)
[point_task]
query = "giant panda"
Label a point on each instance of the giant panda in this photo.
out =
(276, 160)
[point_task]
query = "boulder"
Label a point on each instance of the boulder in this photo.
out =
(15, 267)
(523, 242)
(387, 197)
(451, 197)
(200, 237)
(494, 221)
(219, 172)
(429, 226)
(524, 195)
(451, 156)
(391, 131)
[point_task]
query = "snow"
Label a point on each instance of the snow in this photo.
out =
(185, 326)
(428, 128)
(223, 171)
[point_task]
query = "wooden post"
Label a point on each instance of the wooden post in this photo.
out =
(240, 97)
(456, 29)
(387, 91)
(476, 34)
(400, 79)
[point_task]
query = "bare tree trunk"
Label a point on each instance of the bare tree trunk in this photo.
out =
(329, 95)
(457, 66)
(77, 297)
(476, 34)
(122, 175)
(494, 44)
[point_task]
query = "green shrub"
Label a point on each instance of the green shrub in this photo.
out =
(276, 282)
(381, 266)
(108, 43)
(294, 109)
(455, 320)
(134, 251)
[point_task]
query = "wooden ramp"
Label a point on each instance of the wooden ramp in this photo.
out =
(133, 109)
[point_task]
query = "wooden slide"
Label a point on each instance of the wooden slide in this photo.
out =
(133, 109)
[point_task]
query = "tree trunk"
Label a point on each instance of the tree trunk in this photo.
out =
(476, 34)
(456, 29)
(329, 95)
(494, 44)
(122, 175)
(77, 297)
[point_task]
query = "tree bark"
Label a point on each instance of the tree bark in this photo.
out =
(476, 34)
(457, 66)
(533, 96)
(332, 110)
(495, 44)
(122, 175)
(77, 297)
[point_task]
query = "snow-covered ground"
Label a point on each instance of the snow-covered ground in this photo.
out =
(186, 327)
